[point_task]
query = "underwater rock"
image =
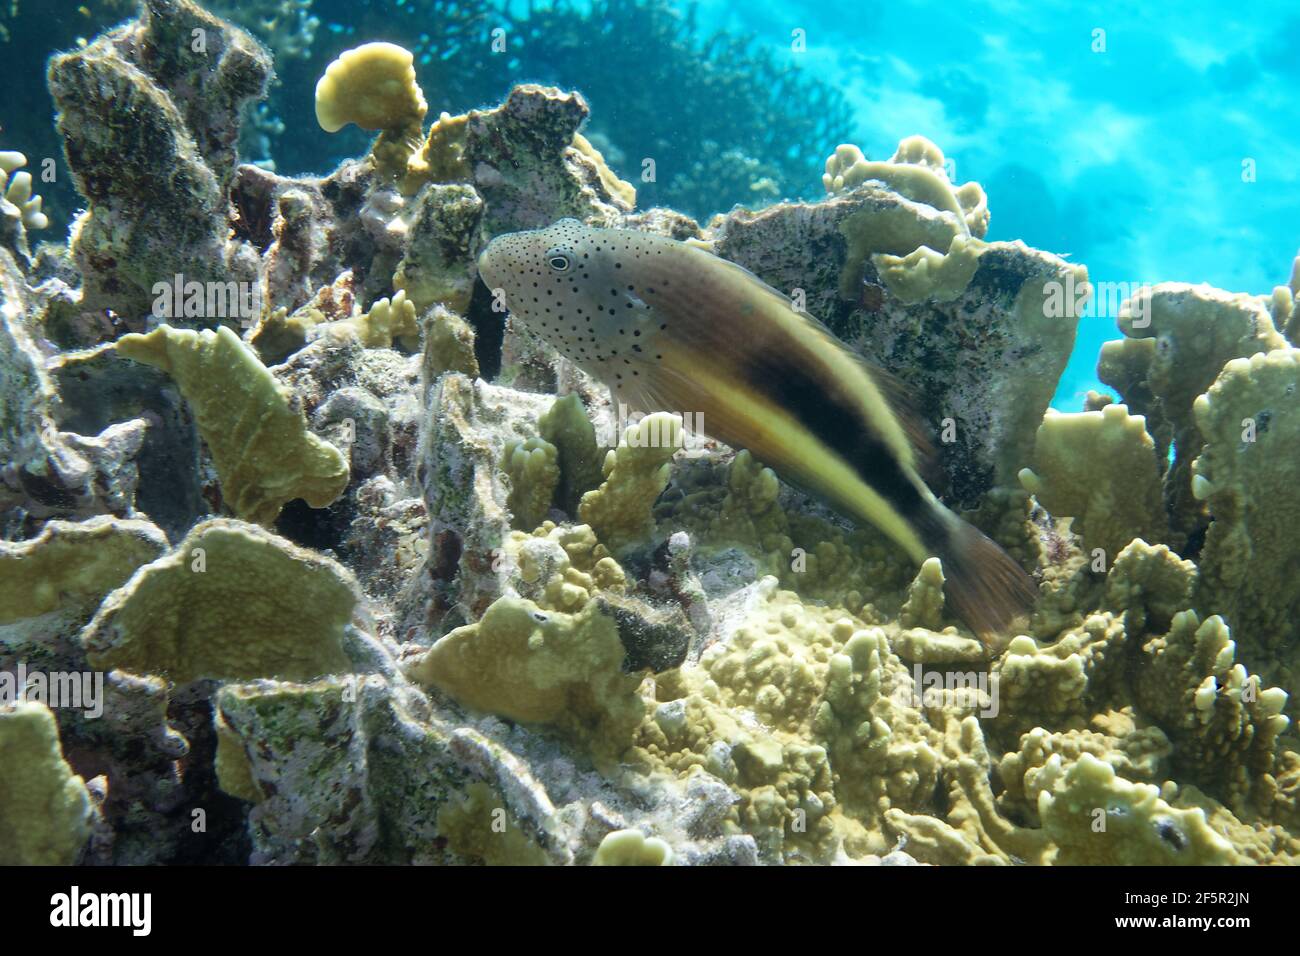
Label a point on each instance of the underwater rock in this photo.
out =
(47, 472)
(459, 469)
(529, 169)
(149, 114)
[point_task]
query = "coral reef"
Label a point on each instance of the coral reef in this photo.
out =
(47, 810)
(435, 600)
(260, 444)
(232, 602)
(1099, 469)
(174, 106)
(19, 209)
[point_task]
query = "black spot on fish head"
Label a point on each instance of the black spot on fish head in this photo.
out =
(585, 291)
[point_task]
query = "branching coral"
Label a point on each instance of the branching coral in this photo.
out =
(1223, 723)
(1247, 474)
(20, 211)
(636, 473)
(1178, 339)
(534, 474)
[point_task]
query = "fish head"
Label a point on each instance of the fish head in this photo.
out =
(544, 269)
(583, 290)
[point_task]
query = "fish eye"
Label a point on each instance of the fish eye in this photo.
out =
(559, 261)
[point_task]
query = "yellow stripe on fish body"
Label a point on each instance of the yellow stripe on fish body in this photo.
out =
(669, 326)
(749, 419)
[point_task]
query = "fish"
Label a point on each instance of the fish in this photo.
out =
(668, 325)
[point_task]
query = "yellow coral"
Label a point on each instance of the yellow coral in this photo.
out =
(73, 563)
(448, 346)
(918, 171)
(566, 426)
(529, 664)
(1097, 817)
(45, 810)
(1099, 468)
(264, 454)
(232, 602)
(534, 474)
(1248, 474)
(372, 85)
(386, 322)
(17, 192)
(636, 473)
(632, 848)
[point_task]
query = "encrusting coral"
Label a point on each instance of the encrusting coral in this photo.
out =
(483, 636)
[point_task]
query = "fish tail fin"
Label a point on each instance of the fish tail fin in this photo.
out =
(983, 584)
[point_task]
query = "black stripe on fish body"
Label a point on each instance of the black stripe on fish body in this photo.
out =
(837, 423)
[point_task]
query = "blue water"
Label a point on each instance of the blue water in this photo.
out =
(1128, 160)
